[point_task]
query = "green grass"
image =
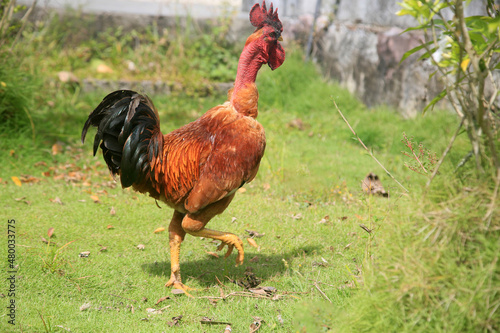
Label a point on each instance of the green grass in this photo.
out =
(429, 264)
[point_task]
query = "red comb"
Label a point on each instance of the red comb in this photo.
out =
(260, 16)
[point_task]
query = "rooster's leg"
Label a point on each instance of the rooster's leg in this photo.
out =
(194, 224)
(226, 238)
(176, 236)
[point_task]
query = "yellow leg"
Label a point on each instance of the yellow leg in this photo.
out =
(227, 238)
(176, 236)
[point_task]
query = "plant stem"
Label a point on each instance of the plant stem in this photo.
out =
(366, 148)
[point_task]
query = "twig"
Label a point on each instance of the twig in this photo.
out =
(366, 148)
(321, 292)
(238, 293)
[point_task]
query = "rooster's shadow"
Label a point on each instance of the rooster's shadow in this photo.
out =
(210, 270)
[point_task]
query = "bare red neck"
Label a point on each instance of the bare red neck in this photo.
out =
(251, 60)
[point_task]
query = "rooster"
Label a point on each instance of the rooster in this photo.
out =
(197, 168)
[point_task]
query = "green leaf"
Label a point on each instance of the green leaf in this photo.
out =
(414, 50)
(435, 100)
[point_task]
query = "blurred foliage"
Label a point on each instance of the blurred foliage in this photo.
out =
(465, 52)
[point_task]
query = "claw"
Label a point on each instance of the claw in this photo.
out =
(229, 248)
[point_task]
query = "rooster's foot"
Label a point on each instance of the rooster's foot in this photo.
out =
(177, 284)
(232, 242)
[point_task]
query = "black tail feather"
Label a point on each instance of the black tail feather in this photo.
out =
(128, 132)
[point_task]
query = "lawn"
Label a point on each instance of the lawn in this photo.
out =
(88, 259)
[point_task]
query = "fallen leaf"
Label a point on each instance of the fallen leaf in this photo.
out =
(44, 240)
(56, 148)
(141, 247)
(365, 228)
(85, 306)
(266, 187)
(242, 190)
(158, 230)
(95, 198)
(280, 319)
(112, 211)
(41, 163)
(56, 200)
(178, 291)
(256, 324)
(228, 329)
(103, 69)
(325, 219)
(66, 77)
(175, 321)
(20, 199)
(254, 259)
(252, 242)
(12, 152)
(50, 232)
(297, 216)
(252, 233)
(16, 181)
(110, 226)
(162, 299)
(84, 254)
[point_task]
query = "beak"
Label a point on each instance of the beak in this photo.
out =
(280, 39)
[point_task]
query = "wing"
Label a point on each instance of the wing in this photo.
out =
(234, 160)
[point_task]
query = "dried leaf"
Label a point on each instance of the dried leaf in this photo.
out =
(103, 69)
(20, 199)
(56, 200)
(50, 232)
(44, 240)
(112, 211)
(297, 216)
(253, 233)
(228, 329)
(158, 230)
(141, 247)
(325, 219)
(256, 324)
(85, 306)
(84, 254)
(95, 198)
(175, 321)
(162, 299)
(16, 181)
(252, 242)
(266, 187)
(254, 259)
(365, 228)
(56, 148)
(110, 226)
(242, 190)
